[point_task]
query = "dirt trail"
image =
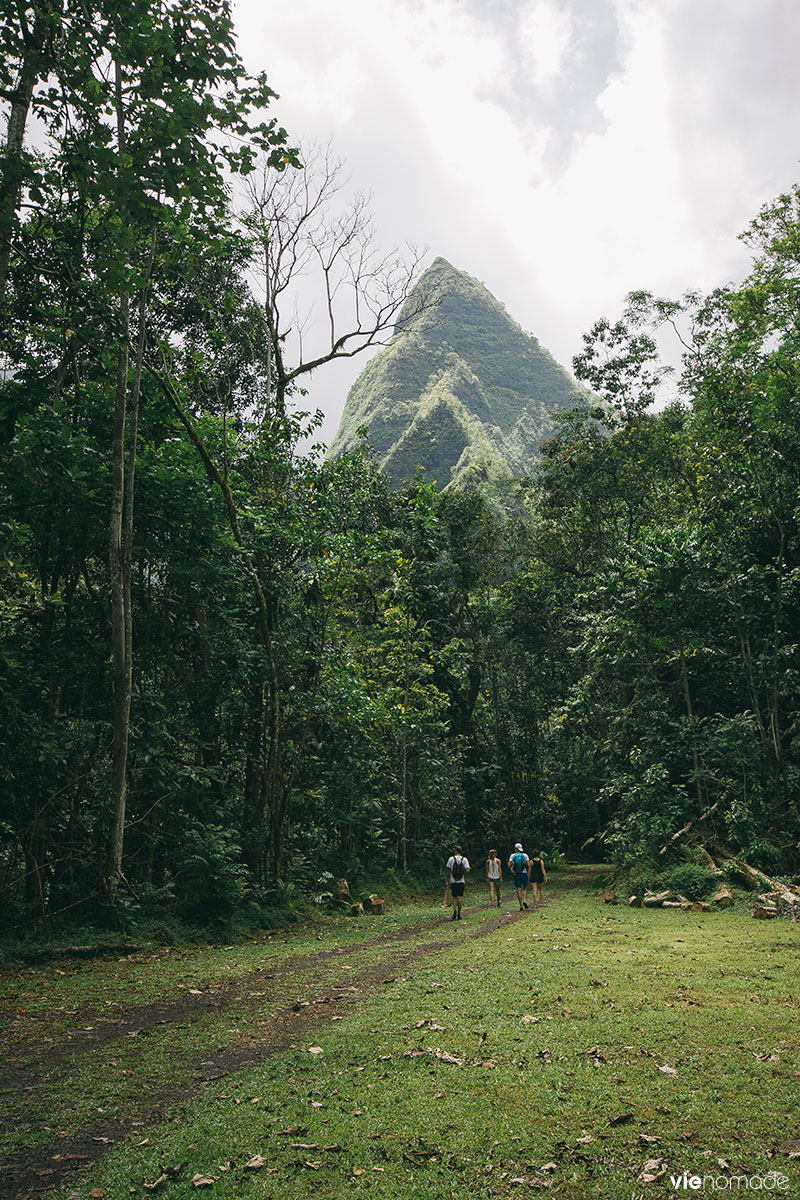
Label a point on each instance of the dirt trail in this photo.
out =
(28, 1173)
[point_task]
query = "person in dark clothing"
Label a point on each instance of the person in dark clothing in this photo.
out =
(537, 877)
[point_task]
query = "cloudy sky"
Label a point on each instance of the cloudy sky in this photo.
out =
(564, 152)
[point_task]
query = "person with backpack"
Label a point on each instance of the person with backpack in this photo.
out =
(519, 862)
(457, 867)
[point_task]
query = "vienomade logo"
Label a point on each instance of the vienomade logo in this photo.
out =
(773, 1182)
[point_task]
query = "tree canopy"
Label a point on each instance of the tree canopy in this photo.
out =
(275, 665)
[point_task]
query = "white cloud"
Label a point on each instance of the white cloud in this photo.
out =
(460, 117)
(545, 36)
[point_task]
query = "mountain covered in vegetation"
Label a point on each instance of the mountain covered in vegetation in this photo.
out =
(461, 390)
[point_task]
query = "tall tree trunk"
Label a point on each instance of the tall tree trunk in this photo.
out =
(33, 67)
(119, 565)
(120, 605)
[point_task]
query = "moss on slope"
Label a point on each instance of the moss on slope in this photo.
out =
(461, 390)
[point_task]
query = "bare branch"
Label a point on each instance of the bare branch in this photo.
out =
(323, 268)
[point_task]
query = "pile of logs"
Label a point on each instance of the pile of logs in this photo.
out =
(668, 899)
(778, 898)
(372, 904)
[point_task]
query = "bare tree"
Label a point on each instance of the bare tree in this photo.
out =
(329, 292)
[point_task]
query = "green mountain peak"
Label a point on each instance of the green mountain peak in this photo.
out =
(461, 390)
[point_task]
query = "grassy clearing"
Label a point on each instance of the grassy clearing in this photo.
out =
(529, 1057)
(143, 977)
(107, 1079)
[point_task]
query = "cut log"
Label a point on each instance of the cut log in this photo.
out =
(357, 910)
(790, 907)
(765, 912)
(757, 879)
(635, 902)
(373, 904)
(609, 895)
(671, 904)
(656, 899)
(700, 906)
(787, 899)
(343, 891)
(723, 898)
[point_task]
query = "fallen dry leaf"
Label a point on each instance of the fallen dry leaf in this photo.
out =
(315, 1050)
(200, 1181)
(621, 1119)
(255, 1163)
(665, 1070)
(653, 1169)
(157, 1183)
(446, 1057)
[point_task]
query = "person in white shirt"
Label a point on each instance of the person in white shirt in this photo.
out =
(457, 867)
(494, 877)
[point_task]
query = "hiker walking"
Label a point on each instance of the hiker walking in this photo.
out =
(518, 863)
(494, 877)
(457, 867)
(537, 877)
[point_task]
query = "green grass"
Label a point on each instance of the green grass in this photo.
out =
(559, 1023)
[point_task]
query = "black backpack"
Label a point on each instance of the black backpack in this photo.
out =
(457, 869)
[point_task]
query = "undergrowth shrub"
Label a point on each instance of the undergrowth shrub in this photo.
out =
(688, 879)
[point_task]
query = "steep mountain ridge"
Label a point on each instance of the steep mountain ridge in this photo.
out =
(460, 390)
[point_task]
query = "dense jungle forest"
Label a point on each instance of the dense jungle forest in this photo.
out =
(230, 665)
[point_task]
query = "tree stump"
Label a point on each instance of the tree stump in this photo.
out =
(764, 912)
(700, 906)
(357, 909)
(723, 898)
(635, 902)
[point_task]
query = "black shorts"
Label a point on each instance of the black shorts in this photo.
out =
(457, 889)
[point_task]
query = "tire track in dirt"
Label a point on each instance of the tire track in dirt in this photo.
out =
(27, 1173)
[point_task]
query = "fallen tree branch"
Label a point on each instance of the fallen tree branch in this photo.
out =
(676, 837)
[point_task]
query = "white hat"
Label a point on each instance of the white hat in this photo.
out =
(518, 846)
